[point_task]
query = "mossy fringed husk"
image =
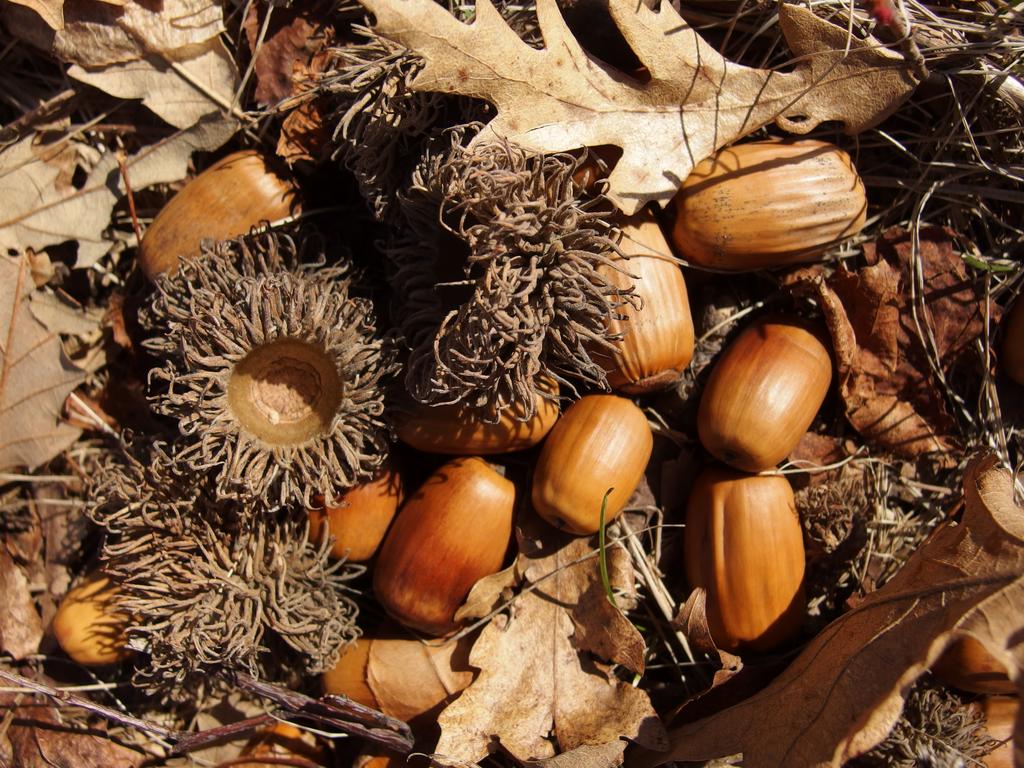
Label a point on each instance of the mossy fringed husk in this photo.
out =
(219, 317)
(209, 586)
(536, 306)
(378, 119)
(937, 727)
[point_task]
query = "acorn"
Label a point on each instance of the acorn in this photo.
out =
(767, 204)
(744, 545)
(447, 536)
(601, 442)
(763, 394)
(226, 200)
(1013, 343)
(360, 517)
(657, 342)
(280, 744)
(460, 429)
(88, 625)
(1000, 718)
(967, 665)
(400, 676)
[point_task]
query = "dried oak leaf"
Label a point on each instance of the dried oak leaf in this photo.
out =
(168, 54)
(40, 737)
(535, 688)
(560, 98)
(845, 691)
(887, 382)
(35, 377)
(21, 629)
(291, 38)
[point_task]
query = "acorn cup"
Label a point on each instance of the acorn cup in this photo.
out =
(767, 204)
(763, 393)
(657, 342)
(1012, 361)
(461, 430)
(228, 199)
(447, 536)
(601, 442)
(744, 545)
(89, 627)
(965, 664)
(360, 517)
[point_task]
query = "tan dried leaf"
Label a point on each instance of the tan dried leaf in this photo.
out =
(40, 737)
(98, 34)
(535, 687)
(21, 628)
(35, 377)
(843, 694)
(50, 11)
(598, 756)
(387, 674)
(560, 98)
(43, 208)
(180, 92)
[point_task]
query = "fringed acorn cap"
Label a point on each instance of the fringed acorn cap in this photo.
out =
(378, 119)
(214, 595)
(536, 307)
(273, 372)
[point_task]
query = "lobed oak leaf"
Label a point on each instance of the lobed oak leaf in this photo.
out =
(21, 628)
(536, 686)
(39, 736)
(561, 98)
(841, 696)
(888, 380)
(35, 377)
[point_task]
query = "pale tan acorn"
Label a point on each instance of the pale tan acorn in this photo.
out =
(763, 393)
(88, 625)
(744, 545)
(767, 204)
(447, 536)
(228, 199)
(657, 342)
(458, 429)
(601, 442)
(359, 519)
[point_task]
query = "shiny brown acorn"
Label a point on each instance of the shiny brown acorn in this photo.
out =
(359, 519)
(447, 536)
(1013, 342)
(88, 626)
(460, 430)
(967, 665)
(1000, 718)
(228, 199)
(401, 676)
(657, 342)
(743, 544)
(767, 204)
(763, 393)
(601, 442)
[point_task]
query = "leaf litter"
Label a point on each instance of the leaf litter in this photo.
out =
(935, 341)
